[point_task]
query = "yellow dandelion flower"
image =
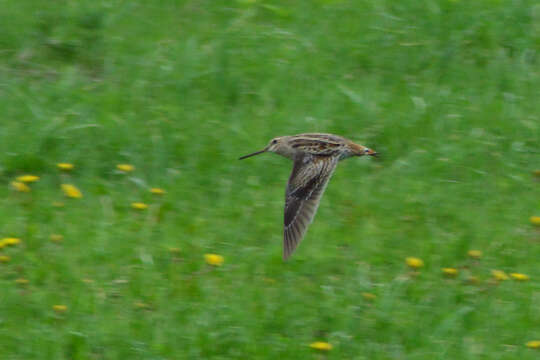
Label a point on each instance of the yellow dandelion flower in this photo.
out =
(4, 258)
(157, 191)
(125, 167)
(533, 344)
(71, 191)
(321, 345)
(139, 206)
(414, 263)
(450, 271)
(519, 277)
(60, 308)
(475, 254)
(11, 241)
(28, 178)
(499, 275)
(214, 259)
(21, 281)
(20, 186)
(535, 220)
(56, 237)
(369, 296)
(65, 166)
(141, 305)
(174, 250)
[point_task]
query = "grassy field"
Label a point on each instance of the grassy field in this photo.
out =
(447, 91)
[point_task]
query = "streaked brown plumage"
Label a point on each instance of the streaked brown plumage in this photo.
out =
(315, 157)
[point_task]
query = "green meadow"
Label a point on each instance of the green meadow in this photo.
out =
(448, 92)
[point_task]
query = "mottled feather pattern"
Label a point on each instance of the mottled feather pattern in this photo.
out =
(306, 185)
(315, 157)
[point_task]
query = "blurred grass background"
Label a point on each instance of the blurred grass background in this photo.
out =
(447, 91)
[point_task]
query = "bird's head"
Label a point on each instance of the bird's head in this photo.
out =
(273, 146)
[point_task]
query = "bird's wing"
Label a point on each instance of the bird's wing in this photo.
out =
(306, 185)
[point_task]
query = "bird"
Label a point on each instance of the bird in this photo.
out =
(314, 156)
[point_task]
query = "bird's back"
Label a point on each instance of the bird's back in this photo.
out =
(317, 143)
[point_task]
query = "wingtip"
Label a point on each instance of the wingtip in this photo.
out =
(286, 252)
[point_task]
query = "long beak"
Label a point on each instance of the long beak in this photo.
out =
(253, 154)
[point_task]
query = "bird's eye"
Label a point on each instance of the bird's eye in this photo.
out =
(274, 142)
(366, 150)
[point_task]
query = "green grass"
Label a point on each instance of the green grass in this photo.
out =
(447, 92)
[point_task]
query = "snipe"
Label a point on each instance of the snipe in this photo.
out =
(315, 157)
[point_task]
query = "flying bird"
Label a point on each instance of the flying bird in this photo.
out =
(314, 157)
